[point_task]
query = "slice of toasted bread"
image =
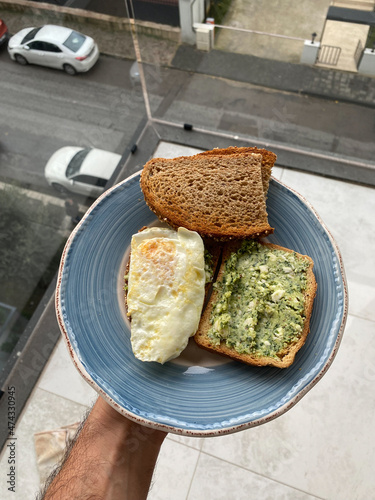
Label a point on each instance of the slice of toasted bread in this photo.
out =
(219, 196)
(283, 357)
(267, 162)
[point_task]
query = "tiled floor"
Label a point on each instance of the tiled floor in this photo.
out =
(324, 447)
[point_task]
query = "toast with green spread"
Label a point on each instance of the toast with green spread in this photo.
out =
(260, 308)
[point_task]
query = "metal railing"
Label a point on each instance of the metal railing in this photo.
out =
(256, 32)
(358, 53)
(329, 54)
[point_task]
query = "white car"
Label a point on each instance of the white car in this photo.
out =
(81, 170)
(54, 46)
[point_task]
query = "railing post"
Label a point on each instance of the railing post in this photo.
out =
(310, 52)
(204, 36)
(358, 53)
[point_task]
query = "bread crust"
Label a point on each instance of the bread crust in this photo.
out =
(219, 196)
(267, 162)
(285, 357)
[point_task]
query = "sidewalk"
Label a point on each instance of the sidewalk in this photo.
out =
(280, 75)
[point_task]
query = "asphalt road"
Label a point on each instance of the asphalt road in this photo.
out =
(44, 109)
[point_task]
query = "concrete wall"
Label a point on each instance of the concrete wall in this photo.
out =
(191, 12)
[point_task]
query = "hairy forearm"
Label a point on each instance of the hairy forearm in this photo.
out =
(112, 459)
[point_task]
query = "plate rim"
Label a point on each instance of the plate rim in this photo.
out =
(212, 431)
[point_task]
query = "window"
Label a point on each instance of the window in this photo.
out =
(76, 162)
(30, 35)
(28, 264)
(45, 46)
(36, 46)
(101, 182)
(74, 41)
(91, 180)
(51, 47)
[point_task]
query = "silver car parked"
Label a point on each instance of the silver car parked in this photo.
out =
(54, 46)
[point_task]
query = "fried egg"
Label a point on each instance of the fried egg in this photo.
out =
(166, 287)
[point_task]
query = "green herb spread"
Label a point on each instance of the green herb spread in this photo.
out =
(260, 305)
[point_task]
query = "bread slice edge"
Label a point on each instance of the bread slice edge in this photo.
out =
(286, 357)
(168, 209)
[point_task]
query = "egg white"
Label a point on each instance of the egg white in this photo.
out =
(166, 288)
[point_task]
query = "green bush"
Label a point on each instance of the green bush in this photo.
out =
(370, 44)
(218, 10)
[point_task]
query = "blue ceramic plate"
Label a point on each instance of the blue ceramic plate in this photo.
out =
(199, 393)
